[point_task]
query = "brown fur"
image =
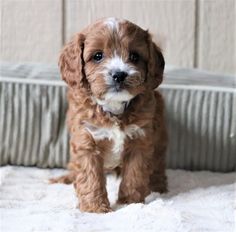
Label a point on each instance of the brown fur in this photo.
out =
(143, 158)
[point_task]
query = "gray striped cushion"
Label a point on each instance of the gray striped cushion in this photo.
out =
(200, 107)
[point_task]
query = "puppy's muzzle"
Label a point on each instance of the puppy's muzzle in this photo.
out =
(119, 76)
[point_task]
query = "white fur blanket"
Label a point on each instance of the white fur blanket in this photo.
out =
(196, 202)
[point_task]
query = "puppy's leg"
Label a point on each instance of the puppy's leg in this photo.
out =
(90, 184)
(158, 179)
(135, 173)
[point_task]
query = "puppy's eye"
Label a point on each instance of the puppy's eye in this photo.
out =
(134, 57)
(98, 56)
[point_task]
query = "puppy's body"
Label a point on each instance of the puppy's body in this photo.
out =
(115, 117)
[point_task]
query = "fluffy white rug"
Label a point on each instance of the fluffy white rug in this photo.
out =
(196, 202)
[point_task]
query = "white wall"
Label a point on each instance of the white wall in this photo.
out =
(193, 33)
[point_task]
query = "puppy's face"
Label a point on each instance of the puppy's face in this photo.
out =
(114, 59)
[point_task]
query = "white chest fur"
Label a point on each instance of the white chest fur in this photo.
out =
(117, 136)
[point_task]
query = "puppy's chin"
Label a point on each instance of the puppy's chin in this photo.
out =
(122, 95)
(115, 102)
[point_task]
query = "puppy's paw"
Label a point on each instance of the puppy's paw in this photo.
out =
(130, 199)
(93, 208)
(159, 188)
(66, 179)
(158, 183)
(103, 209)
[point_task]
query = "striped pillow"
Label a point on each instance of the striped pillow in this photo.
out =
(200, 111)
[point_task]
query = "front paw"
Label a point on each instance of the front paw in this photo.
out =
(95, 208)
(129, 199)
(128, 196)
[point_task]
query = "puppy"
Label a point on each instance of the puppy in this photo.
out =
(115, 116)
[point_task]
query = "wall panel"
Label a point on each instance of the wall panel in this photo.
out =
(192, 33)
(31, 30)
(171, 22)
(217, 36)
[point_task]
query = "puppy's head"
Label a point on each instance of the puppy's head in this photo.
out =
(114, 59)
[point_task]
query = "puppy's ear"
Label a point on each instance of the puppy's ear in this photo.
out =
(156, 65)
(71, 62)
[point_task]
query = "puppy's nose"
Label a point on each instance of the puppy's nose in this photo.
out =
(119, 76)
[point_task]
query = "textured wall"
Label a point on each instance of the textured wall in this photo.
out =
(31, 30)
(192, 33)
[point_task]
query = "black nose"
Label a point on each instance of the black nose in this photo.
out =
(119, 76)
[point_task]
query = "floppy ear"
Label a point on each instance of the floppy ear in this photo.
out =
(156, 65)
(71, 62)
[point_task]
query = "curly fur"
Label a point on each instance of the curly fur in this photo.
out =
(132, 142)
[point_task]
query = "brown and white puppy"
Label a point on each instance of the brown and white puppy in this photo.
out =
(115, 117)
